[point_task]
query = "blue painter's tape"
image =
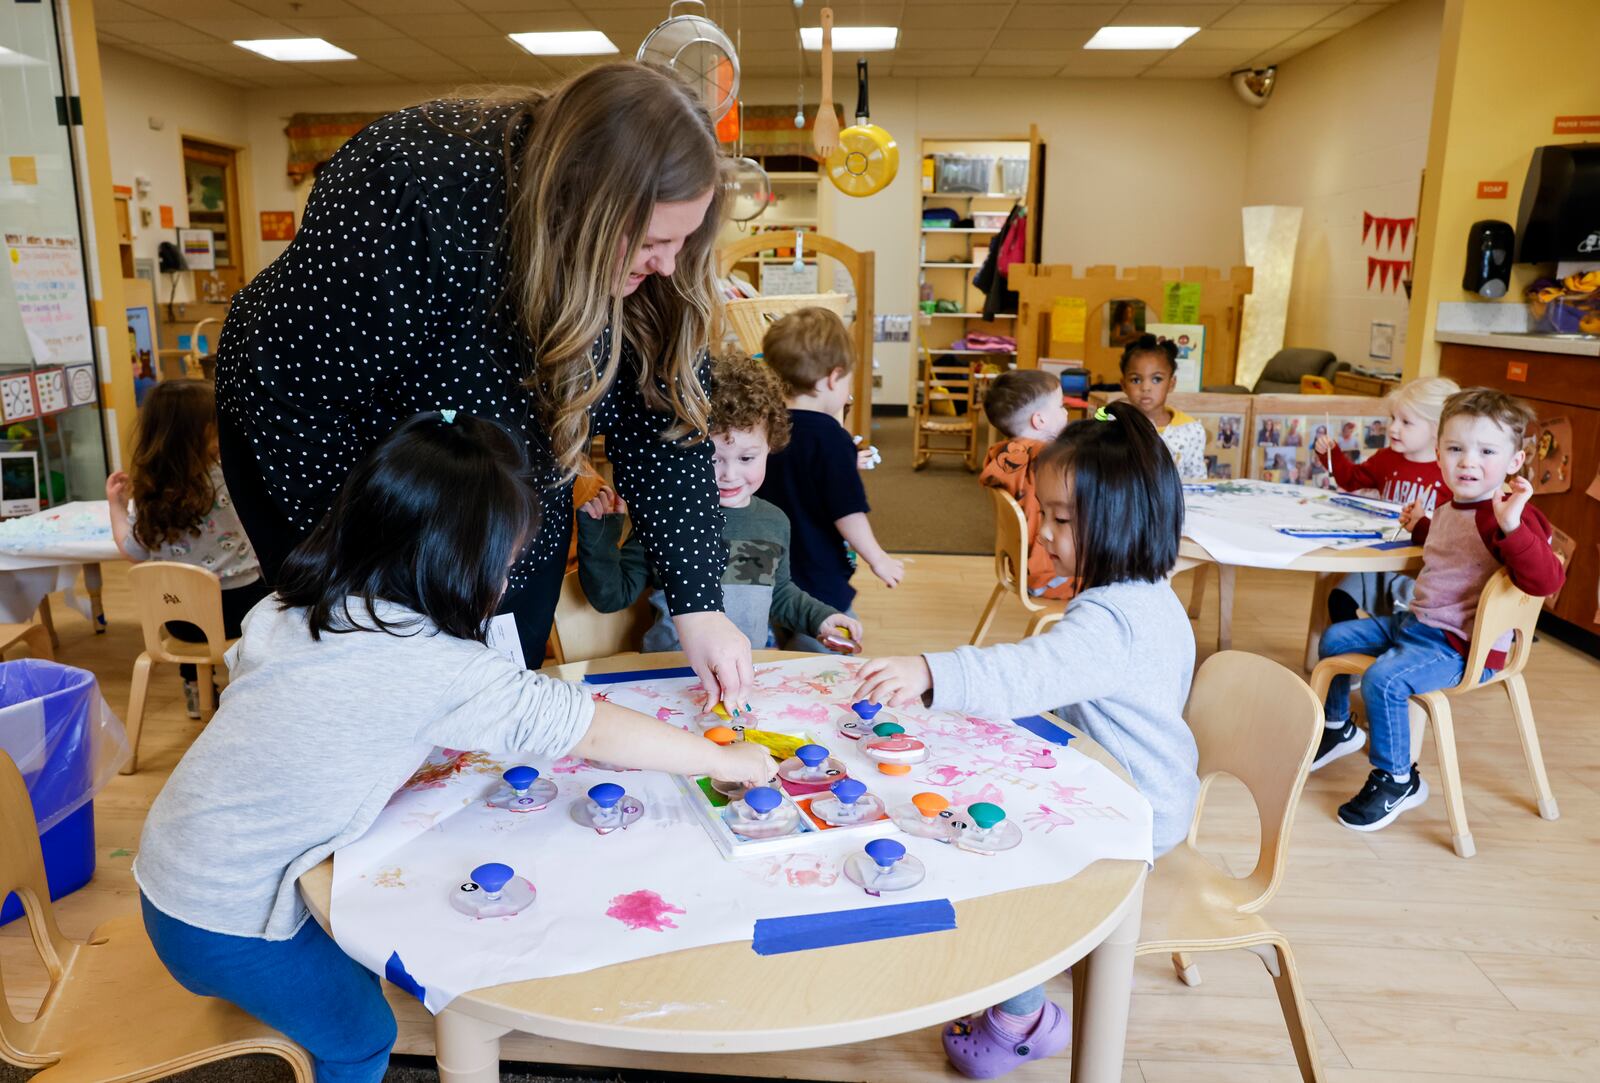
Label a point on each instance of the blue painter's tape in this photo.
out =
(637, 675)
(394, 971)
(1040, 726)
(774, 936)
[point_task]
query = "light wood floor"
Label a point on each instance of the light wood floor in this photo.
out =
(1418, 965)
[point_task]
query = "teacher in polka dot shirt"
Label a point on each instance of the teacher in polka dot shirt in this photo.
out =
(545, 260)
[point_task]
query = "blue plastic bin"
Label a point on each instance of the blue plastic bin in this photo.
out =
(67, 744)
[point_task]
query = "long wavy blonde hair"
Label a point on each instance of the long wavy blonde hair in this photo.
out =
(597, 154)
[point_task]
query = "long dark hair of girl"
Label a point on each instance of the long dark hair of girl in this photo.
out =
(1126, 495)
(431, 520)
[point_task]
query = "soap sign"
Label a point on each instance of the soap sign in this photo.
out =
(47, 281)
(1491, 189)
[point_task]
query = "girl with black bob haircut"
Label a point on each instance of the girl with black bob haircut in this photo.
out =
(1116, 666)
(431, 520)
(316, 732)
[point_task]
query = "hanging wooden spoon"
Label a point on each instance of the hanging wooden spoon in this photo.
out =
(825, 132)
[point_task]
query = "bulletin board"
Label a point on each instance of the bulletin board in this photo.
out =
(1203, 296)
(1284, 429)
(1227, 422)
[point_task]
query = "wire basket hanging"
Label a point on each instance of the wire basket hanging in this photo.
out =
(699, 52)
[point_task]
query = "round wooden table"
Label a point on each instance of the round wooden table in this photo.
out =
(1328, 565)
(724, 998)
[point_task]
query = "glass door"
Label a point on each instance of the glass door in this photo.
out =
(50, 426)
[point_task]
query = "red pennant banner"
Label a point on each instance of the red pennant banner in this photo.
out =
(1388, 271)
(1382, 230)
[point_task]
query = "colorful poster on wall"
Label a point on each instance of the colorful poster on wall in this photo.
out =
(1549, 447)
(81, 385)
(199, 249)
(1069, 320)
(50, 390)
(1124, 321)
(1180, 302)
(47, 280)
(277, 225)
(1190, 338)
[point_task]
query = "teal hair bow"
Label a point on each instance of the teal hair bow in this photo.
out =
(449, 416)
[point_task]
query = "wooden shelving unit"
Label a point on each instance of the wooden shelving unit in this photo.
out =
(949, 257)
(795, 207)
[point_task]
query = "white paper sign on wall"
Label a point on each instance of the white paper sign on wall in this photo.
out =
(81, 385)
(16, 398)
(50, 386)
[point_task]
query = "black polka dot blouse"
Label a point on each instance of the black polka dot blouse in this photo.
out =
(387, 304)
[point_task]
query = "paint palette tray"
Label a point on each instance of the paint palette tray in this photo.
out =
(708, 807)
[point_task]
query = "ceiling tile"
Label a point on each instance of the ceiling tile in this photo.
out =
(944, 39)
(255, 26)
(116, 11)
(282, 9)
(344, 26)
(1161, 72)
(1237, 39)
(1228, 59)
(393, 48)
(1170, 14)
(407, 7)
(414, 67)
(458, 24)
(516, 6)
(956, 58)
(162, 32)
(1008, 71)
(1012, 38)
(196, 9)
(915, 71)
(942, 16)
(1351, 14)
(1275, 16)
(517, 22)
(1068, 17)
(1293, 46)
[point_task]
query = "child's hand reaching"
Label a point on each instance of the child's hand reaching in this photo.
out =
(890, 570)
(1508, 508)
(895, 682)
(1412, 514)
(841, 633)
(1323, 446)
(119, 489)
(605, 502)
(745, 763)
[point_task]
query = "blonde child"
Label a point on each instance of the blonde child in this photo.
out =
(371, 653)
(1469, 537)
(1026, 406)
(749, 421)
(815, 480)
(1120, 661)
(1406, 470)
(1149, 368)
(172, 504)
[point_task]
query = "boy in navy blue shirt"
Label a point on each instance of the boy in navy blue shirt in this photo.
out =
(815, 479)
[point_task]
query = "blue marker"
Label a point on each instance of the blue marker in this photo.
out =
(1341, 535)
(1362, 505)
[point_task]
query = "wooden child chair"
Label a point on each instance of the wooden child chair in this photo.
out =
(580, 633)
(111, 1012)
(1256, 721)
(751, 316)
(1011, 543)
(1502, 608)
(165, 591)
(34, 638)
(948, 411)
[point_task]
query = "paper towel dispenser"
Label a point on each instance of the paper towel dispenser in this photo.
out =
(1560, 214)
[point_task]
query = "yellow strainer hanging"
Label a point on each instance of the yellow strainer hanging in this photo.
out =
(867, 157)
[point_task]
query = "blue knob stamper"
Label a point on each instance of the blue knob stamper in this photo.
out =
(495, 891)
(858, 723)
(762, 813)
(847, 803)
(811, 769)
(523, 791)
(608, 808)
(883, 865)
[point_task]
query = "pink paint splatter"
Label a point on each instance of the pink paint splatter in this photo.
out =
(814, 714)
(643, 910)
(664, 714)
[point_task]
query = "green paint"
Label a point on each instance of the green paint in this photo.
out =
(717, 800)
(119, 852)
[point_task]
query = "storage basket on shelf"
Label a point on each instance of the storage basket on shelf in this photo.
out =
(962, 173)
(1014, 176)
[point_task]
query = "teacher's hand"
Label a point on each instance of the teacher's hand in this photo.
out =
(719, 654)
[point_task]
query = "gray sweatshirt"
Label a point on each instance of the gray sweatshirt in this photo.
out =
(1118, 665)
(310, 741)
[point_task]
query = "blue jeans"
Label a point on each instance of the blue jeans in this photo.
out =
(1412, 657)
(305, 987)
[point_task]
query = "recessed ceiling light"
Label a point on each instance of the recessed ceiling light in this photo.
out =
(1141, 37)
(296, 50)
(565, 43)
(852, 39)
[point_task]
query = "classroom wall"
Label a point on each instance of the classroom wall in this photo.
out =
(1346, 132)
(1508, 72)
(139, 91)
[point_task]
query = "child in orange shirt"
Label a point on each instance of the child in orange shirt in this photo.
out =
(1026, 405)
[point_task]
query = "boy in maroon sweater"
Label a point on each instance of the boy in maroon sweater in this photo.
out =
(1478, 531)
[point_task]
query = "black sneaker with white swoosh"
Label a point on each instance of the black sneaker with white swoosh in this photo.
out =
(1382, 800)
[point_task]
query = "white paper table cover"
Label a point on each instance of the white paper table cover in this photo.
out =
(1236, 521)
(661, 885)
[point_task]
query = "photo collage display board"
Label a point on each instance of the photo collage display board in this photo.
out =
(1285, 428)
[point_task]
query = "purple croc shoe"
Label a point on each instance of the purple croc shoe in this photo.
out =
(979, 1048)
